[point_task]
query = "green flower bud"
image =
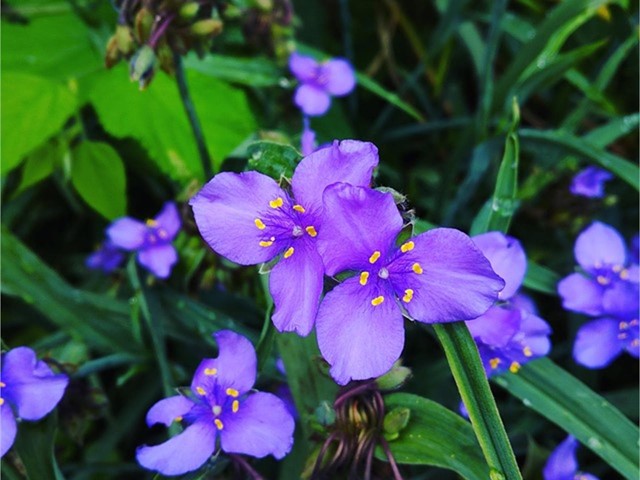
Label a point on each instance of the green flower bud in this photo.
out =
(210, 26)
(189, 10)
(142, 66)
(394, 378)
(395, 421)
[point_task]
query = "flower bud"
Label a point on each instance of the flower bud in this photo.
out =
(189, 10)
(395, 421)
(143, 24)
(210, 26)
(142, 66)
(124, 39)
(394, 378)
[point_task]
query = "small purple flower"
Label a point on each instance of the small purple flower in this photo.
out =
(511, 333)
(590, 182)
(107, 258)
(151, 239)
(221, 405)
(29, 390)
(320, 81)
(438, 276)
(562, 463)
(249, 219)
(308, 143)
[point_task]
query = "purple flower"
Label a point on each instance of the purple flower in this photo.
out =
(562, 463)
(221, 405)
(438, 276)
(107, 258)
(511, 333)
(319, 81)
(151, 239)
(29, 390)
(249, 219)
(590, 182)
(308, 143)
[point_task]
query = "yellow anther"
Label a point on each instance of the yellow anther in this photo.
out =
(235, 406)
(299, 208)
(602, 280)
(527, 351)
(1, 401)
(494, 362)
(2, 384)
(377, 301)
(277, 203)
(417, 268)
(407, 247)
(311, 231)
(514, 367)
(210, 371)
(289, 252)
(623, 325)
(408, 295)
(267, 243)
(624, 274)
(162, 233)
(232, 392)
(200, 391)
(219, 424)
(364, 276)
(178, 419)
(260, 224)
(374, 257)
(617, 268)
(150, 222)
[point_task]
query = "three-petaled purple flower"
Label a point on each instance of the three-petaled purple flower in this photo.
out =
(562, 463)
(438, 276)
(590, 182)
(151, 239)
(29, 390)
(106, 258)
(249, 219)
(221, 406)
(319, 81)
(511, 333)
(608, 289)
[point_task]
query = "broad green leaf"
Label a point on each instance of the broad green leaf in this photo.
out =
(97, 173)
(564, 400)
(273, 159)
(254, 72)
(435, 436)
(541, 279)
(33, 109)
(34, 443)
(41, 163)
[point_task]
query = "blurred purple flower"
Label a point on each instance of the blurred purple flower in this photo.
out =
(29, 390)
(319, 81)
(249, 219)
(308, 143)
(107, 258)
(221, 405)
(438, 276)
(590, 182)
(151, 239)
(562, 463)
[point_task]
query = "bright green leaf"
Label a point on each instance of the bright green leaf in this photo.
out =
(254, 72)
(40, 163)
(273, 159)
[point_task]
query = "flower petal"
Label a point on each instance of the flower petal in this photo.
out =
(261, 426)
(600, 245)
(31, 386)
(339, 75)
(296, 286)
(562, 464)
(621, 300)
(311, 100)
(581, 294)
(346, 161)
(359, 340)
(9, 428)
(180, 454)
(169, 219)
(226, 210)
(507, 259)
(597, 343)
(127, 233)
(589, 182)
(158, 260)
(534, 333)
(167, 410)
(496, 327)
(456, 281)
(303, 67)
(523, 302)
(356, 223)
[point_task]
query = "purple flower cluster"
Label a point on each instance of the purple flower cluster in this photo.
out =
(29, 390)
(333, 223)
(606, 288)
(562, 463)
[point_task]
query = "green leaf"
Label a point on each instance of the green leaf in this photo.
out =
(541, 279)
(33, 109)
(34, 443)
(97, 173)
(41, 163)
(273, 159)
(567, 402)
(253, 72)
(435, 436)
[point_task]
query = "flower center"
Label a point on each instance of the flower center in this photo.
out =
(297, 231)
(383, 273)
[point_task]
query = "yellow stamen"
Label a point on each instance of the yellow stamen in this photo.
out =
(277, 203)
(527, 351)
(364, 276)
(150, 222)
(374, 257)
(289, 252)
(210, 371)
(624, 274)
(623, 325)
(494, 362)
(602, 280)
(617, 268)
(311, 231)
(408, 295)
(2, 384)
(514, 367)
(417, 268)
(200, 391)
(218, 423)
(178, 419)
(260, 224)
(1, 401)
(299, 208)
(377, 301)
(235, 406)
(407, 247)
(267, 243)
(232, 392)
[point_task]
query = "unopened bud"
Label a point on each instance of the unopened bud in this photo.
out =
(112, 53)
(143, 24)
(395, 421)
(124, 38)
(189, 10)
(142, 66)
(394, 378)
(210, 26)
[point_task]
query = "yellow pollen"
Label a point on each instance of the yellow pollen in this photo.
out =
(527, 352)
(289, 252)
(417, 268)
(235, 406)
(260, 224)
(617, 268)
(602, 280)
(232, 392)
(514, 367)
(178, 419)
(2, 384)
(374, 257)
(210, 371)
(150, 222)
(1, 401)
(200, 391)
(408, 295)
(624, 274)
(218, 423)
(623, 325)
(377, 301)
(494, 362)
(277, 203)
(407, 247)
(364, 276)
(311, 231)
(267, 243)
(299, 208)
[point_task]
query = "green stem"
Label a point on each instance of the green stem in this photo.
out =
(468, 372)
(181, 79)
